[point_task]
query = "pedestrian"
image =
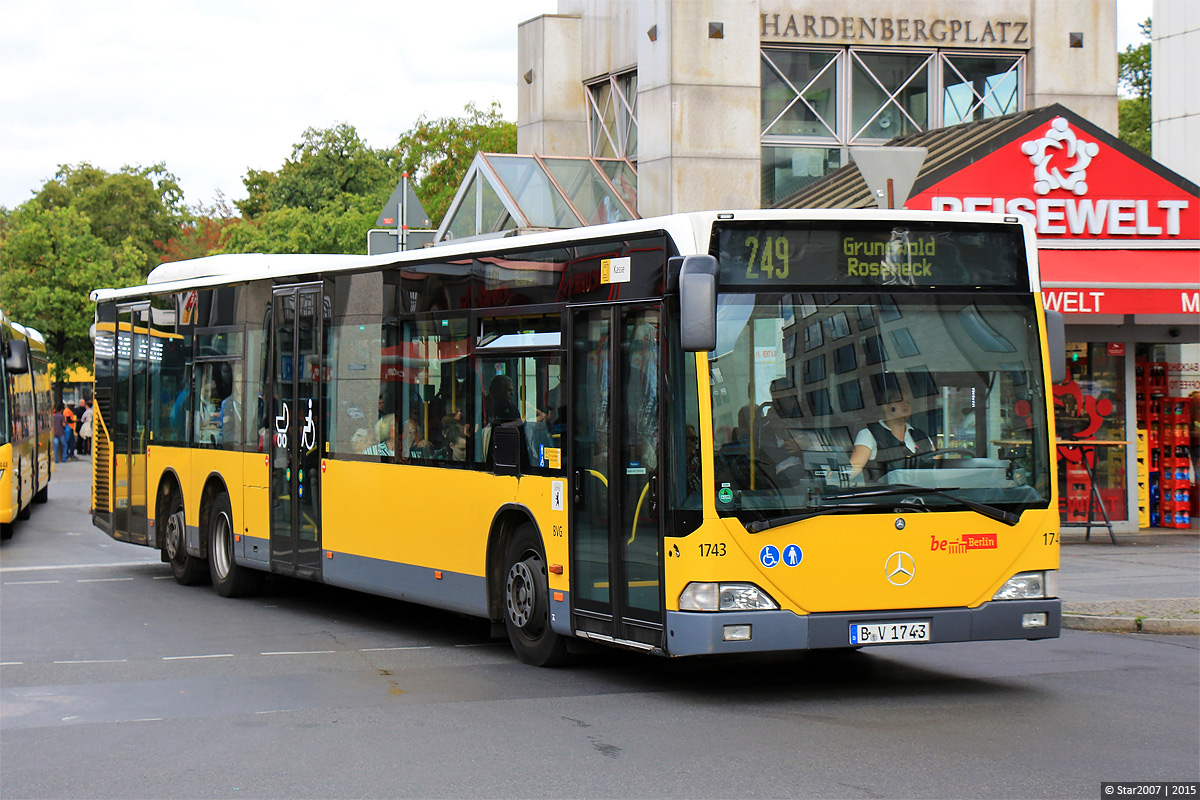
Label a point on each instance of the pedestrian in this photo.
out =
(69, 430)
(85, 428)
(58, 426)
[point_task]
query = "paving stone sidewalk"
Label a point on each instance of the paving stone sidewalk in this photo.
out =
(1148, 582)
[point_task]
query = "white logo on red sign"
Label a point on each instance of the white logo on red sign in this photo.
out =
(1059, 143)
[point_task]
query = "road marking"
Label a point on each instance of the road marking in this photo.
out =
(484, 644)
(210, 655)
(11, 663)
(298, 653)
(101, 580)
(386, 649)
(144, 719)
(94, 661)
(27, 583)
(276, 711)
(163, 578)
(45, 567)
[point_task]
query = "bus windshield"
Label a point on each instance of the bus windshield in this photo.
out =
(877, 400)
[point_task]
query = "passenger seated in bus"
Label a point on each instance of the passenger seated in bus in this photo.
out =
(887, 444)
(385, 429)
(414, 444)
(455, 447)
(501, 400)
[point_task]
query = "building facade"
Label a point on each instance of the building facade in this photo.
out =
(1175, 113)
(740, 103)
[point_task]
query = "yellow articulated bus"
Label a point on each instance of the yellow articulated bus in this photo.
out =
(716, 432)
(26, 443)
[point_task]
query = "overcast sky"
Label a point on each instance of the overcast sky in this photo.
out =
(213, 87)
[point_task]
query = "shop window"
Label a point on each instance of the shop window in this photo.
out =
(1089, 412)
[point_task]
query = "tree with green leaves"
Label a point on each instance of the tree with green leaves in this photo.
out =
(327, 167)
(141, 204)
(437, 153)
(50, 261)
(1133, 79)
(323, 199)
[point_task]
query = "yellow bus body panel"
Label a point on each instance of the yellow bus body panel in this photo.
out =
(961, 559)
(429, 516)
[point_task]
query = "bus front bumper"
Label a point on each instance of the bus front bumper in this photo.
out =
(697, 633)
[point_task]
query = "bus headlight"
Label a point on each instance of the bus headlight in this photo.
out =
(725, 597)
(1029, 586)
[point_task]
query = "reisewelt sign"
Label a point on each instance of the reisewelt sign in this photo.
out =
(1117, 232)
(1072, 181)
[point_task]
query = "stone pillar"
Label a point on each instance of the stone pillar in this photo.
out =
(698, 105)
(551, 111)
(1083, 79)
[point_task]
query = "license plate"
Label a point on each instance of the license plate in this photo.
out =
(888, 632)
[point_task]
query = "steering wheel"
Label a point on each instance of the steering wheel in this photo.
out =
(942, 451)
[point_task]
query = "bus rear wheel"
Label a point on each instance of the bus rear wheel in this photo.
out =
(229, 578)
(188, 570)
(527, 602)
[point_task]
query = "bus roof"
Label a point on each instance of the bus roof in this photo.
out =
(689, 231)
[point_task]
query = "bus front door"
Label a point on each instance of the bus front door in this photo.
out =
(294, 417)
(616, 575)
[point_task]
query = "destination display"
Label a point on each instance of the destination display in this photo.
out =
(868, 254)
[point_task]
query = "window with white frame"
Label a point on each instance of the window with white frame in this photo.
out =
(612, 116)
(816, 102)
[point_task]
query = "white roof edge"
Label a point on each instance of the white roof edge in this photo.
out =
(690, 231)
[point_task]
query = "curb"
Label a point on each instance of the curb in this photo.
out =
(1089, 622)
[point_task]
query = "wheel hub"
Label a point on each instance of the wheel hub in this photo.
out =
(175, 530)
(520, 594)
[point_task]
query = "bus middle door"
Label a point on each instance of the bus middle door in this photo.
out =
(294, 418)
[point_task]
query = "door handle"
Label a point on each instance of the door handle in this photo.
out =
(577, 489)
(654, 493)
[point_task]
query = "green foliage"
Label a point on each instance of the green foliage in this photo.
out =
(437, 153)
(302, 230)
(50, 260)
(1134, 81)
(327, 168)
(141, 204)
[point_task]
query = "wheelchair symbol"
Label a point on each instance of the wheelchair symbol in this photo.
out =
(769, 556)
(309, 436)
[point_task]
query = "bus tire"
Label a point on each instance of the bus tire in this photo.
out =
(229, 578)
(6, 530)
(527, 602)
(43, 495)
(188, 570)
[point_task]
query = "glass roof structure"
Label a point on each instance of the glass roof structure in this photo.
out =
(503, 192)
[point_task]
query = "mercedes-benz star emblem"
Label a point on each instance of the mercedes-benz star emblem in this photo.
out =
(899, 523)
(899, 568)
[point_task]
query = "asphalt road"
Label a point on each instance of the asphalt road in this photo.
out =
(116, 682)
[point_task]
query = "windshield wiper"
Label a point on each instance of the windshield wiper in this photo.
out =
(766, 524)
(991, 512)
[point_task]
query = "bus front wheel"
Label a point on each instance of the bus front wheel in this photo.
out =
(188, 570)
(229, 578)
(527, 602)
